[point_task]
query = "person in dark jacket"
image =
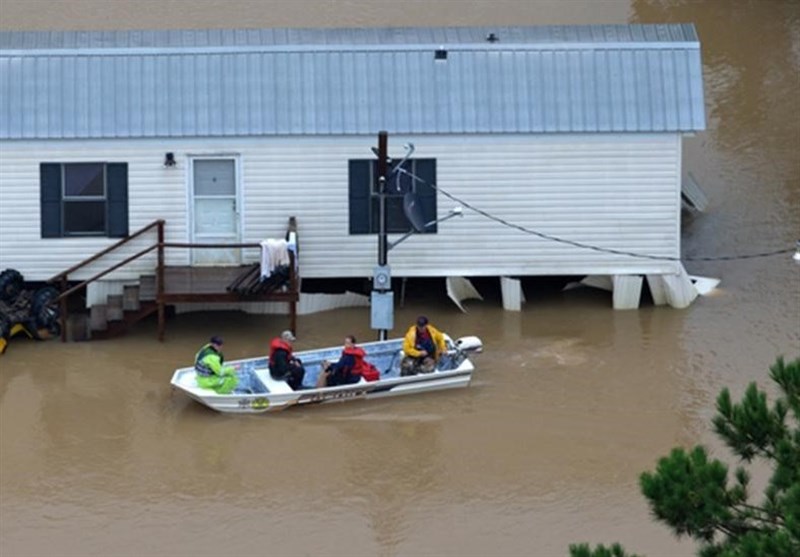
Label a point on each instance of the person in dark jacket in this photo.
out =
(350, 368)
(283, 366)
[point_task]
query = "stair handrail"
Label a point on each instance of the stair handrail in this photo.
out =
(113, 268)
(63, 276)
(98, 255)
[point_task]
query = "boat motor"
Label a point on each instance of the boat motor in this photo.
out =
(469, 345)
(459, 350)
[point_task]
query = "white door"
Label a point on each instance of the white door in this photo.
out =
(214, 207)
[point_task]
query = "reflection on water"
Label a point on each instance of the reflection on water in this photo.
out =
(571, 400)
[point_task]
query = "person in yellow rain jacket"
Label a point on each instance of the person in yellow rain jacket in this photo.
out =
(211, 373)
(423, 346)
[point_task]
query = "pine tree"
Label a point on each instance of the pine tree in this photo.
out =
(695, 497)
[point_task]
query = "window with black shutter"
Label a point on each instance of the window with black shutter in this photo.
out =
(84, 199)
(418, 177)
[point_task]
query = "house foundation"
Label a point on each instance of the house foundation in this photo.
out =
(513, 296)
(676, 290)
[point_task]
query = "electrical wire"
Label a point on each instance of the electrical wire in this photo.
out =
(589, 246)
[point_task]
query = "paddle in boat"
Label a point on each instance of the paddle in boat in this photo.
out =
(257, 391)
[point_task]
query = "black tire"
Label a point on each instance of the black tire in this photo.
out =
(5, 333)
(43, 314)
(11, 283)
(5, 327)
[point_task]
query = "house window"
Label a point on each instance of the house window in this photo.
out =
(365, 201)
(84, 199)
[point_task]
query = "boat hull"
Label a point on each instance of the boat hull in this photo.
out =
(260, 393)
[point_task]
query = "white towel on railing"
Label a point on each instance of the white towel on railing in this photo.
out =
(273, 253)
(291, 244)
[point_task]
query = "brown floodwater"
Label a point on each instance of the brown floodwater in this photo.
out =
(570, 403)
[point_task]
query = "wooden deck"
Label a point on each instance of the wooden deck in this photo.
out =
(172, 285)
(210, 284)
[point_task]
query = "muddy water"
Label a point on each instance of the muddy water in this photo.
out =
(571, 401)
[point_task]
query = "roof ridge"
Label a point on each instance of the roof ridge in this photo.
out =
(337, 38)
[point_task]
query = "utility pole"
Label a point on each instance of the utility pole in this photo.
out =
(383, 154)
(382, 299)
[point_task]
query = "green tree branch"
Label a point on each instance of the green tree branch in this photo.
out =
(690, 493)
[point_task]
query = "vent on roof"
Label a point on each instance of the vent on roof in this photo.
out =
(440, 54)
(492, 38)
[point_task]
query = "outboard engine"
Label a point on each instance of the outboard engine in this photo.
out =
(469, 345)
(460, 350)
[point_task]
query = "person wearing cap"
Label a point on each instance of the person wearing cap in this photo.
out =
(423, 346)
(210, 368)
(283, 366)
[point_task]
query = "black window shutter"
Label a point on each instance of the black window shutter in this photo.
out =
(117, 180)
(50, 199)
(426, 170)
(359, 195)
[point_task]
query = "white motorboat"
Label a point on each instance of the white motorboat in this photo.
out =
(257, 391)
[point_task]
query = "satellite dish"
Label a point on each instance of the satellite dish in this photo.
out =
(413, 211)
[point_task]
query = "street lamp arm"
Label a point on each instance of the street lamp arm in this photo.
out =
(454, 212)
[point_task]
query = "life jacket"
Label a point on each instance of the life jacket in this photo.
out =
(278, 344)
(425, 341)
(200, 365)
(361, 367)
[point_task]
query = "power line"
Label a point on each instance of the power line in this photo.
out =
(590, 246)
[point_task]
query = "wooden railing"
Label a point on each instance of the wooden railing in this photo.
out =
(63, 278)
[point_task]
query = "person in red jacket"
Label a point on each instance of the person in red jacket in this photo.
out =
(283, 366)
(350, 368)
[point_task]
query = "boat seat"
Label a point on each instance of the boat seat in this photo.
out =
(393, 370)
(274, 385)
(250, 383)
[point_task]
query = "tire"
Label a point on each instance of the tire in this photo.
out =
(5, 327)
(43, 315)
(5, 333)
(11, 283)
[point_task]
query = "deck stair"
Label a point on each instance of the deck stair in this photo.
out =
(147, 288)
(118, 314)
(130, 297)
(120, 320)
(118, 325)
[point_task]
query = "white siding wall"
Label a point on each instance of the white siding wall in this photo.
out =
(617, 191)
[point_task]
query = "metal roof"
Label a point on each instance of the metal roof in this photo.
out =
(594, 78)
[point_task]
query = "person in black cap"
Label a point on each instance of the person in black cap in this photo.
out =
(423, 346)
(210, 368)
(283, 366)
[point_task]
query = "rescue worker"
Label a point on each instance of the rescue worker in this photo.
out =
(423, 346)
(211, 373)
(350, 368)
(283, 366)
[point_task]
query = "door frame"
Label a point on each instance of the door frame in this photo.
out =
(239, 198)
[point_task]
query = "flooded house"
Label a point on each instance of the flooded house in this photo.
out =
(560, 144)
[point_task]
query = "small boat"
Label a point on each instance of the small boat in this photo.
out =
(257, 391)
